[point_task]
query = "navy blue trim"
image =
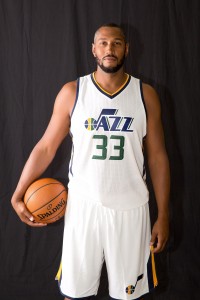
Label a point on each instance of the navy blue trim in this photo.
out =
(142, 96)
(106, 94)
(87, 297)
(150, 273)
(69, 297)
(77, 92)
(144, 171)
(72, 157)
(141, 297)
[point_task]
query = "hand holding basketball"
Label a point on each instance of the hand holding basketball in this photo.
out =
(27, 206)
(46, 200)
(22, 212)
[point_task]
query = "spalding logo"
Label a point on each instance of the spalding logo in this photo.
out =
(52, 210)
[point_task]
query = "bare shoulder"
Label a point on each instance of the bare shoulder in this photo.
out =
(69, 87)
(66, 97)
(151, 99)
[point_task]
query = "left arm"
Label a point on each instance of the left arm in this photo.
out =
(158, 166)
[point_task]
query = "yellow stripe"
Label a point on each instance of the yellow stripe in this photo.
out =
(89, 124)
(155, 280)
(58, 275)
(111, 94)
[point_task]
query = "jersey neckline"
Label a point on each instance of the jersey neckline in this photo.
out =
(110, 95)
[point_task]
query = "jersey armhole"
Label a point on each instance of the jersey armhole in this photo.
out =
(77, 93)
(142, 96)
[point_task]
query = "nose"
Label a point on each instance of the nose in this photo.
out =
(109, 48)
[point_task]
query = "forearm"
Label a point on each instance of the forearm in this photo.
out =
(160, 176)
(36, 164)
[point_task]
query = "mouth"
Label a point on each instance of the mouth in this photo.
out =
(110, 58)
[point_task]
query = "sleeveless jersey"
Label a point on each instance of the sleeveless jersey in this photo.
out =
(107, 162)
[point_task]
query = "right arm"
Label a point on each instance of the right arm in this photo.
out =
(45, 150)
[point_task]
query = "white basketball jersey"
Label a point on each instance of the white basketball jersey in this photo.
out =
(107, 162)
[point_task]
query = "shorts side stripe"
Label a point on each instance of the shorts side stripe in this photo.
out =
(155, 280)
(58, 275)
(151, 271)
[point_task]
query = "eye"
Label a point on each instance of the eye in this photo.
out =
(102, 43)
(118, 43)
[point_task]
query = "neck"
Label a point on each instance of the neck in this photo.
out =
(110, 82)
(100, 74)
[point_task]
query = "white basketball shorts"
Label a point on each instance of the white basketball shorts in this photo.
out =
(94, 233)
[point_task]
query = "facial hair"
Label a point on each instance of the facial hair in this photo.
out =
(110, 69)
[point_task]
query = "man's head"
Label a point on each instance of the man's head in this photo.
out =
(110, 47)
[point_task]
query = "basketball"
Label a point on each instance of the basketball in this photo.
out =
(46, 200)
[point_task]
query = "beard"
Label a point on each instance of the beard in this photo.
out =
(110, 69)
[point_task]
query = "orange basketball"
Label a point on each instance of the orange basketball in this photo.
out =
(46, 200)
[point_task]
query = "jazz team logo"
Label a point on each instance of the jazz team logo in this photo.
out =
(131, 288)
(109, 121)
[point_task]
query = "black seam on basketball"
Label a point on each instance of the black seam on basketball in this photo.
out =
(40, 188)
(49, 201)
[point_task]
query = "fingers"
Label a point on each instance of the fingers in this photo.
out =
(35, 224)
(158, 247)
(158, 242)
(25, 216)
(153, 238)
(160, 233)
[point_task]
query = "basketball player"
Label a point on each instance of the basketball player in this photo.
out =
(112, 118)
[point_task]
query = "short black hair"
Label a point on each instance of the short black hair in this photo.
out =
(114, 25)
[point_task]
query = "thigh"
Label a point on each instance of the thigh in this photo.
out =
(127, 253)
(82, 254)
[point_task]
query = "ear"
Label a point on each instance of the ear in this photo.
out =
(126, 49)
(93, 50)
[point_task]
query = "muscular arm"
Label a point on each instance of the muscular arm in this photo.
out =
(45, 150)
(158, 166)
